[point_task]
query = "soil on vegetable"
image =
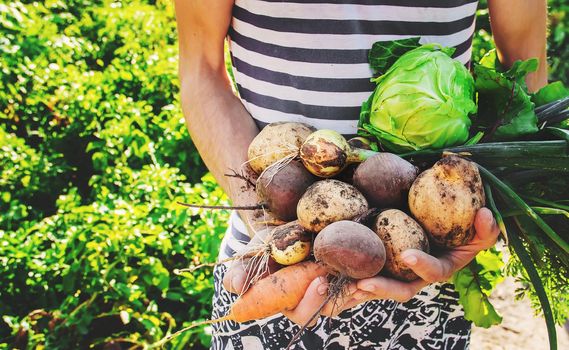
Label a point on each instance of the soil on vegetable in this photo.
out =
(520, 329)
(289, 237)
(335, 156)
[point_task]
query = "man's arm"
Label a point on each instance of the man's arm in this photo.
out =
(218, 123)
(519, 30)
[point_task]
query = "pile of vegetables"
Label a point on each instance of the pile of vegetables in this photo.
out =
(436, 144)
(341, 223)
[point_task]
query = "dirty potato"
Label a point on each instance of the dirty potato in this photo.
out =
(399, 232)
(328, 201)
(445, 200)
(290, 243)
(275, 142)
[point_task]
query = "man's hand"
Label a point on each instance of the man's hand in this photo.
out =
(238, 277)
(430, 269)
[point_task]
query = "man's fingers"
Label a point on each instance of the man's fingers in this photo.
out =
(244, 272)
(308, 306)
(387, 288)
(427, 267)
(432, 269)
(342, 302)
(235, 277)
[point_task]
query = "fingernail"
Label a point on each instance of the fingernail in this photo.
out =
(368, 287)
(322, 289)
(410, 260)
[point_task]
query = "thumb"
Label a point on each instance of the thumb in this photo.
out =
(487, 229)
(313, 298)
(429, 268)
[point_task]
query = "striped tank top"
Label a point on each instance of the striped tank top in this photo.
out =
(306, 60)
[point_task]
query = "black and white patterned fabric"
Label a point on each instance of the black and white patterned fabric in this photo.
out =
(431, 320)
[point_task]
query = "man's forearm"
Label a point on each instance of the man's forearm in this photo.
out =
(520, 29)
(218, 123)
(220, 128)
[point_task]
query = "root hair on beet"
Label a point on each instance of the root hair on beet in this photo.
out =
(280, 164)
(293, 152)
(336, 291)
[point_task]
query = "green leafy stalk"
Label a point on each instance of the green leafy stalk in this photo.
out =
(549, 93)
(539, 210)
(562, 133)
(549, 203)
(500, 219)
(519, 249)
(475, 283)
(495, 211)
(475, 139)
(534, 247)
(519, 202)
(516, 244)
(543, 155)
(505, 109)
(517, 149)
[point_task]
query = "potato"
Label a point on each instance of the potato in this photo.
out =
(445, 200)
(290, 243)
(328, 201)
(275, 142)
(399, 232)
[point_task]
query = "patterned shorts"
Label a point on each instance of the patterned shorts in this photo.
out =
(431, 320)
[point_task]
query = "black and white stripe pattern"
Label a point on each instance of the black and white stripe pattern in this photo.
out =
(307, 60)
(235, 238)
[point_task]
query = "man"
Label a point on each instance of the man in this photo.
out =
(306, 61)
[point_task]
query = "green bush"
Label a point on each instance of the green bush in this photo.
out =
(93, 273)
(558, 43)
(23, 198)
(94, 155)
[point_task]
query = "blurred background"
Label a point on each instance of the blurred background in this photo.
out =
(94, 154)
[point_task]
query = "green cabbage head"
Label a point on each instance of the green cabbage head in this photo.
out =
(423, 101)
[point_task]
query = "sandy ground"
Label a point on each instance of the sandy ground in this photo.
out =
(520, 329)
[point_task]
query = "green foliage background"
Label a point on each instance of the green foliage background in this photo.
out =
(94, 154)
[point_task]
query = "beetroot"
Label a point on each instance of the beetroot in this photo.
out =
(350, 249)
(281, 186)
(385, 179)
